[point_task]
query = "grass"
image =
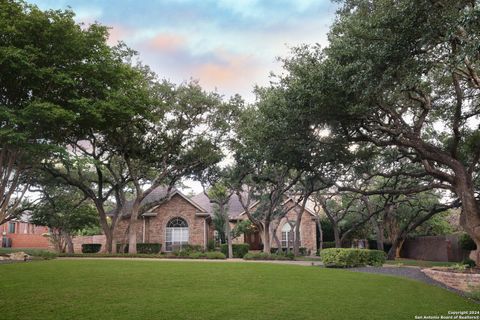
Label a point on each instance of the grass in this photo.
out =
(121, 289)
(420, 263)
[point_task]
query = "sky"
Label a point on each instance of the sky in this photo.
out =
(227, 45)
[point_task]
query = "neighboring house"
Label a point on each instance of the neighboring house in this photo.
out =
(19, 233)
(181, 220)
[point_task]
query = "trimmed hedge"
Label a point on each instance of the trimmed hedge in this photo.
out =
(147, 248)
(192, 248)
(349, 258)
(302, 250)
(239, 249)
(91, 247)
(266, 256)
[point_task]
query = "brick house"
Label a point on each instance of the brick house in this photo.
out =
(182, 220)
(19, 233)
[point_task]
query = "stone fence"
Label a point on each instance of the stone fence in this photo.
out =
(79, 240)
(459, 281)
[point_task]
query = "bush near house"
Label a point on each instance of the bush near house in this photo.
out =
(266, 256)
(207, 255)
(91, 247)
(348, 258)
(302, 250)
(239, 249)
(147, 248)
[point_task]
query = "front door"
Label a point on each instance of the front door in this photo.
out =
(254, 240)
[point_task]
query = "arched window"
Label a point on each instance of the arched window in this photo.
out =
(287, 235)
(177, 234)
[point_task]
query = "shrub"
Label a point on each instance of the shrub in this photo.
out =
(192, 248)
(182, 253)
(148, 248)
(91, 247)
(197, 255)
(376, 258)
(266, 256)
(211, 245)
(469, 263)
(348, 258)
(239, 250)
(466, 243)
(215, 255)
(302, 251)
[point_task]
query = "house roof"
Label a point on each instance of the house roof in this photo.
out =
(235, 208)
(159, 193)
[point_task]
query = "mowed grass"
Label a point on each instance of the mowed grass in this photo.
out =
(119, 289)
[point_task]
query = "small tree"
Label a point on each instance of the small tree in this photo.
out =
(65, 211)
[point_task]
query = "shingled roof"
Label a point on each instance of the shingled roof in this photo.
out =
(234, 206)
(159, 193)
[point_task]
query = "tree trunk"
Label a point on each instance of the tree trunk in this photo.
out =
(470, 215)
(298, 221)
(266, 237)
(336, 234)
(107, 229)
(397, 245)
(228, 232)
(320, 234)
(132, 231)
(379, 230)
(69, 242)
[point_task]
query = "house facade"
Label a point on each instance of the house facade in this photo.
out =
(182, 220)
(19, 233)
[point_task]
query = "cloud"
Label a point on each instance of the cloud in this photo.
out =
(167, 42)
(119, 33)
(228, 71)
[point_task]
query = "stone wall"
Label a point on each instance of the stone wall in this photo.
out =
(79, 240)
(459, 281)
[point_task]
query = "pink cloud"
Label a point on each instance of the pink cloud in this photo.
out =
(118, 33)
(166, 42)
(233, 71)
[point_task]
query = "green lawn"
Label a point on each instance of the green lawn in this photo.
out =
(118, 289)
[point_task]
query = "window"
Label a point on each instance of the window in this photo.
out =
(287, 235)
(11, 227)
(177, 234)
